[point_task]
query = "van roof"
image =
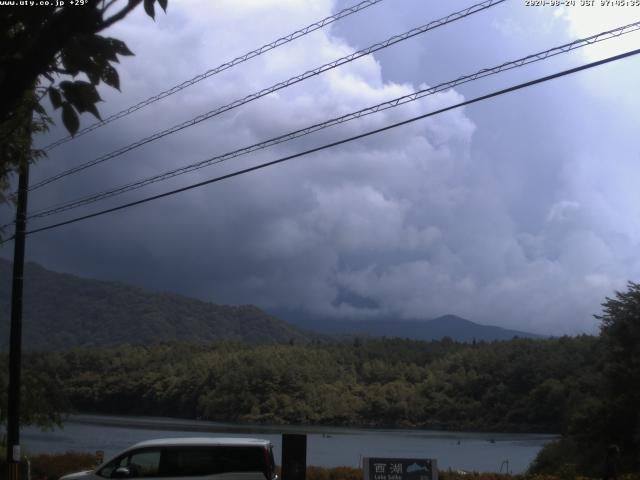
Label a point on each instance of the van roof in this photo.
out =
(203, 441)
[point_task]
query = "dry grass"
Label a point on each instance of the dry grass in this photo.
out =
(337, 473)
(52, 467)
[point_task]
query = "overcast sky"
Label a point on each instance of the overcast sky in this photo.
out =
(521, 211)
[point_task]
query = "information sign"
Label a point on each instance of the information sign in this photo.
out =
(400, 469)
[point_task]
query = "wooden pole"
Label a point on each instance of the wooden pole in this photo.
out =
(15, 339)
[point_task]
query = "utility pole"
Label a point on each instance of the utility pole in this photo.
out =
(15, 345)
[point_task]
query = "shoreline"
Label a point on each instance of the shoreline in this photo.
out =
(328, 446)
(176, 423)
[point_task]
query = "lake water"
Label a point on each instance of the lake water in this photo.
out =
(326, 446)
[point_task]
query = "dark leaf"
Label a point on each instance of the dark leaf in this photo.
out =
(70, 63)
(94, 76)
(76, 57)
(148, 7)
(93, 111)
(163, 4)
(88, 92)
(82, 95)
(120, 47)
(55, 97)
(110, 77)
(39, 110)
(66, 87)
(102, 47)
(70, 118)
(81, 90)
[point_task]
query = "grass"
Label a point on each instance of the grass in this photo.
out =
(52, 467)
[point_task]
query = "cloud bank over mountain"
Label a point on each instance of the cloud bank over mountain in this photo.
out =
(520, 212)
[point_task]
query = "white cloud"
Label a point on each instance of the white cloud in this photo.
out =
(586, 21)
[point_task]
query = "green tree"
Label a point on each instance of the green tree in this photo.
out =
(620, 335)
(609, 413)
(29, 118)
(43, 398)
(42, 52)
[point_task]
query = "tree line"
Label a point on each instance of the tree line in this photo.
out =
(519, 385)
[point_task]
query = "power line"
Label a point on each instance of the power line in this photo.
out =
(291, 81)
(614, 33)
(220, 68)
(340, 142)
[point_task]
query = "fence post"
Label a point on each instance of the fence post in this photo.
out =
(294, 456)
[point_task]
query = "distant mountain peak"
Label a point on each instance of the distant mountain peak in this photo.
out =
(451, 318)
(448, 325)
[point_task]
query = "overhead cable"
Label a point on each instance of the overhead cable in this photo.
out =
(220, 68)
(340, 142)
(274, 88)
(614, 33)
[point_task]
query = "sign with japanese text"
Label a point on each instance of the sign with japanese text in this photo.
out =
(400, 469)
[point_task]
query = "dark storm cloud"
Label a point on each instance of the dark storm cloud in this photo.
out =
(503, 212)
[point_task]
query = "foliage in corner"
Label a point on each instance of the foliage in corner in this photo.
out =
(44, 402)
(620, 336)
(15, 139)
(610, 413)
(55, 52)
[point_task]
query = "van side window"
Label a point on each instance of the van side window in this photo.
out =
(144, 463)
(240, 459)
(187, 462)
(140, 463)
(199, 461)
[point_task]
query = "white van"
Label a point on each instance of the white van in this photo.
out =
(184, 458)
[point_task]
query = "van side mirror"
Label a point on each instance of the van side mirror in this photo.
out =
(121, 472)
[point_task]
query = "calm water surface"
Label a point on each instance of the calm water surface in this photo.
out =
(326, 446)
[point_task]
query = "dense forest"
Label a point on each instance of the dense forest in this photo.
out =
(525, 385)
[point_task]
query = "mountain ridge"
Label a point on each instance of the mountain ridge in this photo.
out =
(63, 311)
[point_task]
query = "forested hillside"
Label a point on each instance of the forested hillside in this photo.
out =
(525, 385)
(63, 311)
